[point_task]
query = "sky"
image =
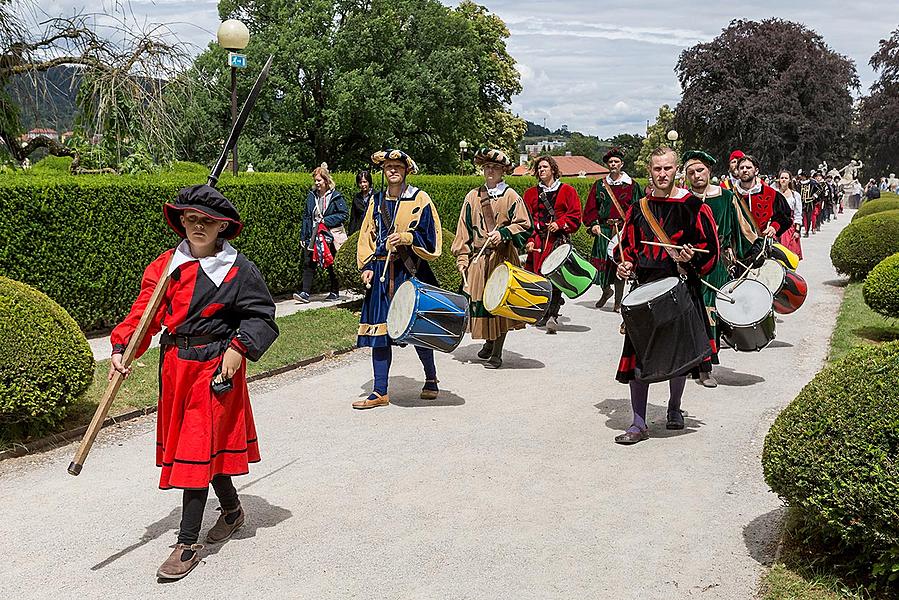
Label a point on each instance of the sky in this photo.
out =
(597, 67)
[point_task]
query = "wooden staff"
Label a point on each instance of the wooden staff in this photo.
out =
(143, 327)
(676, 247)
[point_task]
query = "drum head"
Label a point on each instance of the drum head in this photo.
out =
(555, 259)
(752, 302)
(401, 310)
(496, 287)
(645, 293)
(771, 274)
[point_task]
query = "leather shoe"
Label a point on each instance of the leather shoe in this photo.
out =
(486, 350)
(176, 568)
(370, 402)
(631, 437)
(604, 298)
(675, 420)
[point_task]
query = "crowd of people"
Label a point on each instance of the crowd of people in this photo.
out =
(691, 244)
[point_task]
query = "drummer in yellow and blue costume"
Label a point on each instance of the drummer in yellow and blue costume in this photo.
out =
(495, 216)
(401, 223)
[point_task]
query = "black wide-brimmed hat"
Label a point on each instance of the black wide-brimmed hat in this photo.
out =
(207, 200)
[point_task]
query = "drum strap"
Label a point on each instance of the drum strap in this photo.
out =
(487, 209)
(614, 198)
(653, 222)
(748, 212)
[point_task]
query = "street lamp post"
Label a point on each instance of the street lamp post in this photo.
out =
(463, 148)
(233, 36)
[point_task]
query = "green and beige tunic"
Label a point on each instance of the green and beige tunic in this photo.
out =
(483, 211)
(601, 210)
(732, 242)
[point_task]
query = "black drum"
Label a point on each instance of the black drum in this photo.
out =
(665, 328)
(745, 315)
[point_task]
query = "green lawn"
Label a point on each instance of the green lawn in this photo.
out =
(304, 335)
(858, 325)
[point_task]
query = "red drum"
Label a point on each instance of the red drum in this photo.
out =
(792, 293)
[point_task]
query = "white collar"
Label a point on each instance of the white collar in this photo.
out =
(755, 189)
(498, 191)
(676, 194)
(216, 266)
(625, 179)
(408, 192)
(711, 191)
(551, 188)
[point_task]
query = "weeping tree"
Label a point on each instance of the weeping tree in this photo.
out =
(124, 76)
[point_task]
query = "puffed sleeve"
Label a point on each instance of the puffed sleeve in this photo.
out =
(463, 242)
(519, 226)
(568, 209)
(256, 309)
(706, 239)
(427, 237)
(365, 247)
(591, 209)
(121, 335)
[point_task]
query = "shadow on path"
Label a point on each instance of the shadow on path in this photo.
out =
(620, 417)
(511, 360)
(260, 515)
(729, 377)
(762, 534)
(405, 391)
(841, 283)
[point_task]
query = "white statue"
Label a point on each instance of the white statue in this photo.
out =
(26, 164)
(850, 172)
(250, 168)
(893, 183)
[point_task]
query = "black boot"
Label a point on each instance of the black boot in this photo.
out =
(496, 356)
(486, 350)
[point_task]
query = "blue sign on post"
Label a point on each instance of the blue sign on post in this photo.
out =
(238, 61)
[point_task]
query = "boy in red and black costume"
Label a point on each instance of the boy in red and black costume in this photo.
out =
(556, 213)
(770, 212)
(217, 312)
(688, 222)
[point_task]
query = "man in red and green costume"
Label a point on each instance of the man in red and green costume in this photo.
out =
(698, 167)
(608, 203)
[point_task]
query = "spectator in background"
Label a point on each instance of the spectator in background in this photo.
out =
(872, 190)
(360, 201)
(323, 232)
(883, 184)
(790, 237)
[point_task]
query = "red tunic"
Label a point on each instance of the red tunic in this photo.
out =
(567, 206)
(200, 434)
(686, 220)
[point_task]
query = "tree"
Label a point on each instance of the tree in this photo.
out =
(630, 144)
(879, 111)
(353, 76)
(772, 88)
(656, 136)
(120, 81)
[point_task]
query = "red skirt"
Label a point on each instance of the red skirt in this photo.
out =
(790, 241)
(199, 434)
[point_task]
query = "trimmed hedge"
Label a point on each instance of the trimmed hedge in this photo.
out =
(872, 207)
(864, 243)
(444, 267)
(881, 289)
(833, 453)
(85, 240)
(45, 361)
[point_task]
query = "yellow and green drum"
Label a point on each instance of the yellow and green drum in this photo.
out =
(571, 273)
(517, 294)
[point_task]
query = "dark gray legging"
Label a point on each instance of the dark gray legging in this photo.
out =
(640, 396)
(309, 272)
(194, 503)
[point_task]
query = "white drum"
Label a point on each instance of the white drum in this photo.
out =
(650, 291)
(771, 274)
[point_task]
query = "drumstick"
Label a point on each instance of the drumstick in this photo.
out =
(720, 293)
(384, 274)
(484, 247)
(676, 247)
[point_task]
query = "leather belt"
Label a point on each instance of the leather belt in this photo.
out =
(190, 341)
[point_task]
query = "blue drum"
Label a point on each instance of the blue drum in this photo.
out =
(426, 316)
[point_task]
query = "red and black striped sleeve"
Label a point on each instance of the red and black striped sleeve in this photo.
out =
(706, 239)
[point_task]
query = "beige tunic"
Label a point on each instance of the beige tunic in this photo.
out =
(510, 217)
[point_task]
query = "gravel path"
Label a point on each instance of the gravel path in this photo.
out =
(507, 486)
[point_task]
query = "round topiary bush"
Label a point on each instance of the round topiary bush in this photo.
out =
(833, 453)
(866, 242)
(444, 267)
(45, 360)
(872, 207)
(881, 289)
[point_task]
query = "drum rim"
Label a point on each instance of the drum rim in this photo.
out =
(677, 280)
(561, 263)
(504, 265)
(758, 271)
(410, 319)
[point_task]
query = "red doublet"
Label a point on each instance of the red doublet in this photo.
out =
(200, 434)
(567, 206)
(767, 206)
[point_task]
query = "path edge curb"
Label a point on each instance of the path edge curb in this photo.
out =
(65, 437)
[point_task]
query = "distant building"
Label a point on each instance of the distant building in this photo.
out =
(37, 132)
(572, 166)
(544, 146)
